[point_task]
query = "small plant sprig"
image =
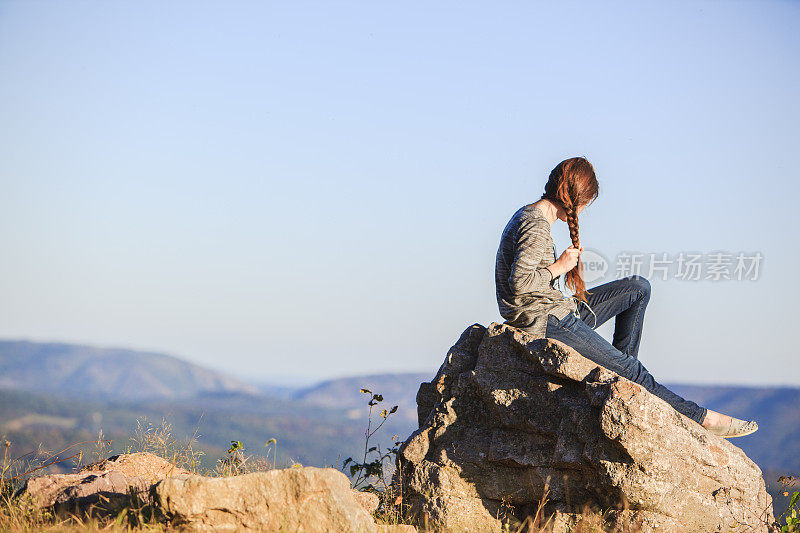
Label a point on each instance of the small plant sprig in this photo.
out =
(274, 442)
(792, 512)
(369, 472)
(235, 463)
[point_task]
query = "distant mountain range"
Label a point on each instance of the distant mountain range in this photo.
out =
(345, 394)
(55, 393)
(92, 372)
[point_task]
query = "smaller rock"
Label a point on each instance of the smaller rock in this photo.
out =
(291, 499)
(368, 500)
(314, 499)
(101, 485)
(147, 466)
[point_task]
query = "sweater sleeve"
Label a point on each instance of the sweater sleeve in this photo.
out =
(529, 249)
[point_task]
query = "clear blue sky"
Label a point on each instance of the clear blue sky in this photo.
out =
(296, 190)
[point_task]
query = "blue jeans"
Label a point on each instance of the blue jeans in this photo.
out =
(625, 299)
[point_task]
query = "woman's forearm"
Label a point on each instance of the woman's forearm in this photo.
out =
(556, 269)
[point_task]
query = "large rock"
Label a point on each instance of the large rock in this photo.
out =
(102, 486)
(509, 416)
(307, 499)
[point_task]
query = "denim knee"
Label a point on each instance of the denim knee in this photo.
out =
(642, 285)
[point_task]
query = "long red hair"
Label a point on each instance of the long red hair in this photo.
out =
(572, 184)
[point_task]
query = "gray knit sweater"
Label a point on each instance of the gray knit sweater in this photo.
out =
(526, 291)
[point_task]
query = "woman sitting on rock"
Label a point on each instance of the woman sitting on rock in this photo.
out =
(525, 273)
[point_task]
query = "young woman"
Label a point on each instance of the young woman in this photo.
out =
(525, 274)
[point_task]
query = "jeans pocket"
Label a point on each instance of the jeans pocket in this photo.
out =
(554, 322)
(552, 325)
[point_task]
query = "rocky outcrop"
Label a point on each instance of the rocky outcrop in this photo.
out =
(103, 485)
(509, 417)
(291, 499)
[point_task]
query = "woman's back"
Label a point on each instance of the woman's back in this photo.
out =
(525, 288)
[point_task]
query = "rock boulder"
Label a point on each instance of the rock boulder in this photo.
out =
(509, 417)
(102, 485)
(292, 499)
(300, 498)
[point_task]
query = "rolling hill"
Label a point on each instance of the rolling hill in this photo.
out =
(114, 373)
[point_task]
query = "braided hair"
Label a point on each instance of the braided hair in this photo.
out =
(572, 183)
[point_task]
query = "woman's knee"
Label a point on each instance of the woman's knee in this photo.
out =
(642, 285)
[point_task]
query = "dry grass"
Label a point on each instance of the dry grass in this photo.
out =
(158, 439)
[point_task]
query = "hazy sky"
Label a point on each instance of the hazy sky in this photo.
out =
(293, 191)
